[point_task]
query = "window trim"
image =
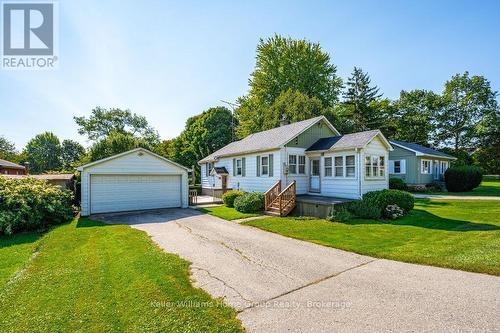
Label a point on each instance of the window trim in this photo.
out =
(301, 164)
(378, 166)
(262, 165)
(325, 167)
(342, 166)
(422, 167)
(350, 166)
(443, 170)
(296, 164)
(239, 167)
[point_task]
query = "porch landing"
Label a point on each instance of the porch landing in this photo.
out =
(316, 205)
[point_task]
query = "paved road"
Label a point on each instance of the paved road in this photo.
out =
(455, 197)
(283, 285)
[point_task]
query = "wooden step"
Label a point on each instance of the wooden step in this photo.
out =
(272, 213)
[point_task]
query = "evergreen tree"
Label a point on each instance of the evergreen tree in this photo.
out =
(358, 100)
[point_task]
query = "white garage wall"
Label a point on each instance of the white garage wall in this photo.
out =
(134, 162)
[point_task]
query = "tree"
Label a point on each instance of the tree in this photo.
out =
(71, 153)
(282, 65)
(467, 100)
(292, 105)
(358, 99)
(116, 143)
(414, 115)
(7, 149)
(44, 153)
(102, 122)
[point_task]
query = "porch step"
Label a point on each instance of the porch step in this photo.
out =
(272, 213)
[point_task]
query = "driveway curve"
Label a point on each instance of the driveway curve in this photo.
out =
(280, 284)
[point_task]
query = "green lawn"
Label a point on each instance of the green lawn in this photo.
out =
(457, 234)
(489, 187)
(15, 251)
(93, 277)
(226, 213)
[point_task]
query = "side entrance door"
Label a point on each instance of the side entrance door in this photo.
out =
(314, 175)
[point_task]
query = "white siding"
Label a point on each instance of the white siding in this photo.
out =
(375, 147)
(250, 182)
(342, 187)
(301, 179)
(134, 163)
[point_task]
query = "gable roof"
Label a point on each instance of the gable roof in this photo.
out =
(420, 150)
(12, 165)
(348, 141)
(130, 152)
(218, 171)
(266, 140)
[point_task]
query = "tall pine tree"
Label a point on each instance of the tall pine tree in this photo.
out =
(359, 102)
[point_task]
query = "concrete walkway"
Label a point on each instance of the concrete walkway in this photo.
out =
(280, 284)
(454, 197)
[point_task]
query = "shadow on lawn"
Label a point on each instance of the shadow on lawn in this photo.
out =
(424, 219)
(21, 238)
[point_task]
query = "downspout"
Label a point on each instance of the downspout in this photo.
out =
(360, 173)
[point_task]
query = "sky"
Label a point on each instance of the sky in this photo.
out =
(169, 60)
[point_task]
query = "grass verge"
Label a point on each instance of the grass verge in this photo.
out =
(457, 234)
(92, 277)
(226, 213)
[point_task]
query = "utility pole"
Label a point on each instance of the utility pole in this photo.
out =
(232, 105)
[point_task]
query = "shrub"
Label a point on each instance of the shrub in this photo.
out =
(340, 215)
(393, 212)
(365, 210)
(384, 198)
(419, 188)
(249, 202)
(462, 178)
(31, 204)
(397, 184)
(229, 197)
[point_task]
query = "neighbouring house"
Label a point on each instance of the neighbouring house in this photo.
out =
(62, 180)
(311, 154)
(134, 180)
(10, 168)
(416, 164)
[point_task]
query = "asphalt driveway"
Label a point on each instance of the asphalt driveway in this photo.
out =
(280, 284)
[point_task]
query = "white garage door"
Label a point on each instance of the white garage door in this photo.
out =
(118, 193)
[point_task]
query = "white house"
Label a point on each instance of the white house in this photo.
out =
(311, 152)
(134, 180)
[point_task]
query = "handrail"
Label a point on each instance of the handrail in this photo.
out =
(271, 194)
(286, 197)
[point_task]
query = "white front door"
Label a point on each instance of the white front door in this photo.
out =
(314, 175)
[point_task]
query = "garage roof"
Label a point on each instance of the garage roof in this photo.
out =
(130, 152)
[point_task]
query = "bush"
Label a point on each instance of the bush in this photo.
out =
(365, 210)
(462, 178)
(393, 212)
(340, 215)
(397, 184)
(384, 198)
(249, 202)
(229, 197)
(31, 204)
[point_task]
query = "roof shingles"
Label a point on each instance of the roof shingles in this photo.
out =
(347, 141)
(419, 148)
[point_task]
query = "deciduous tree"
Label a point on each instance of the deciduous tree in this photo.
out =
(44, 153)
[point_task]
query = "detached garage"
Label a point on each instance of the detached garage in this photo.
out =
(135, 180)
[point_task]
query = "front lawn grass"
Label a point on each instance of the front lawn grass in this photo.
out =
(489, 187)
(226, 213)
(459, 234)
(92, 277)
(15, 251)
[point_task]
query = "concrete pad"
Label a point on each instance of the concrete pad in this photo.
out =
(280, 284)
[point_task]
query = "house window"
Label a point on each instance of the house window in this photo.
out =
(238, 167)
(292, 164)
(339, 166)
(444, 166)
(374, 166)
(350, 166)
(264, 162)
(302, 164)
(426, 167)
(397, 166)
(210, 166)
(328, 166)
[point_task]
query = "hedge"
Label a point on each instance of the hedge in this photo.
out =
(397, 184)
(384, 198)
(31, 204)
(463, 178)
(229, 197)
(249, 202)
